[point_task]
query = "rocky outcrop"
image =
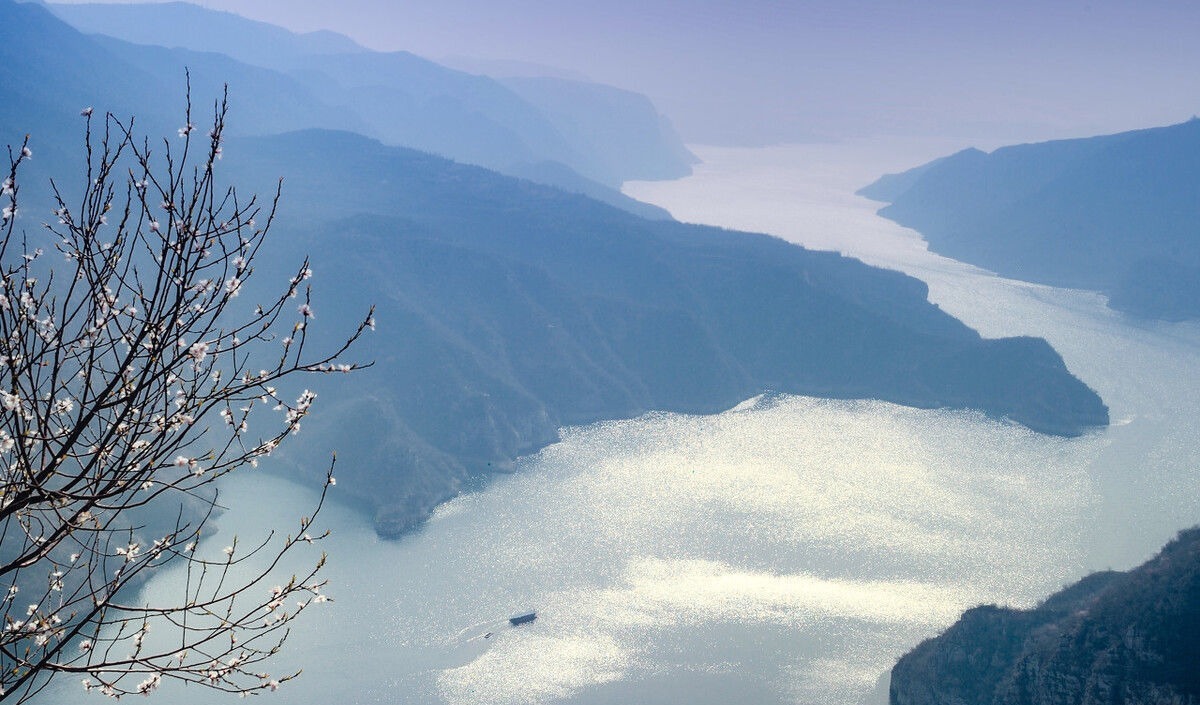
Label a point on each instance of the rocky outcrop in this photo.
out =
(1113, 638)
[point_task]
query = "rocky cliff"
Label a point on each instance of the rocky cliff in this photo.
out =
(1113, 638)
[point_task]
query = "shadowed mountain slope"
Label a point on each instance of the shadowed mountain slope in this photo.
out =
(508, 309)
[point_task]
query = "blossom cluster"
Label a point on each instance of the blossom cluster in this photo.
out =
(130, 376)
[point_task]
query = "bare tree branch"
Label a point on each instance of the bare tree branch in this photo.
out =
(132, 378)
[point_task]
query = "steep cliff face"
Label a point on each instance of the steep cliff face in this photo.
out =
(1113, 638)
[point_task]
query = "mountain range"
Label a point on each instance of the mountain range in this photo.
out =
(1118, 214)
(509, 308)
(594, 137)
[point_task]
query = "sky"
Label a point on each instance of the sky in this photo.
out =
(767, 71)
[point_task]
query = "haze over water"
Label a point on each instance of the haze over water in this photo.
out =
(784, 551)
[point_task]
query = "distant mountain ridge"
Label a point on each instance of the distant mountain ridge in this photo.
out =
(1112, 638)
(622, 128)
(186, 25)
(411, 101)
(1119, 214)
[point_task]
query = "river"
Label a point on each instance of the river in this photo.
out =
(785, 551)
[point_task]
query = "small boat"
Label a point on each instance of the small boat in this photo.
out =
(522, 618)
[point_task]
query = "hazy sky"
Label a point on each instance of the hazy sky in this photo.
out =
(772, 70)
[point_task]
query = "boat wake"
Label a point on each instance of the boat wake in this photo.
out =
(488, 629)
(480, 631)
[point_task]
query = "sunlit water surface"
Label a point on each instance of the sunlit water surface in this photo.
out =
(788, 550)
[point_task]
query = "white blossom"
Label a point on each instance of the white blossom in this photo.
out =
(148, 685)
(198, 351)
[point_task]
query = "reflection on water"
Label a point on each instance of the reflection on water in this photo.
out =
(787, 550)
(762, 545)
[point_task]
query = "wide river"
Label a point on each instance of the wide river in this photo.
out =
(785, 551)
